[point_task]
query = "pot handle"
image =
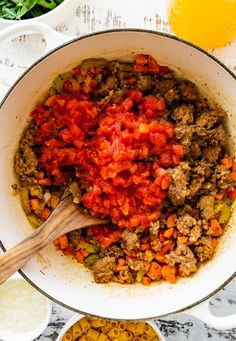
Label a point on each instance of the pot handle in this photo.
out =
(202, 312)
(52, 37)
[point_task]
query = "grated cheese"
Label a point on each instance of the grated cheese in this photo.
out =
(22, 308)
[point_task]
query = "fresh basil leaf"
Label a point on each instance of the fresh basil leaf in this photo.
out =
(24, 9)
(8, 13)
(47, 3)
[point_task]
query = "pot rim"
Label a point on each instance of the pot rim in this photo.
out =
(167, 35)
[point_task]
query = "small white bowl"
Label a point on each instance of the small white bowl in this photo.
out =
(39, 326)
(52, 18)
(78, 317)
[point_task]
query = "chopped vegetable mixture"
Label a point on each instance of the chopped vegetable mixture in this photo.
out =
(139, 145)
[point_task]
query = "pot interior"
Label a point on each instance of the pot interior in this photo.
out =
(61, 278)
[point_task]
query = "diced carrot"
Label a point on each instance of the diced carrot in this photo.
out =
(219, 196)
(214, 242)
(63, 241)
(51, 101)
(233, 175)
(146, 267)
(154, 271)
(120, 279)
(182, 240)
(169, 273)
(227, 161)
(149, 255)
(45, 213)
(146, 280)
(54, 200)
(35, 205)
(168, 233)
(79, 257)
(171, 221)
(215, 228)
(84, 252)
(56, 242)
(167, 247)
(120, 264)
(144, 247)
(40, 175)
(160, 258)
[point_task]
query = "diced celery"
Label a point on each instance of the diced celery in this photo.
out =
(24, 195)
(59, 81)
(90, 260)
(225, 214)
(36, 191)
(88, 247)
(224, 210)
(87, 63)
(140, 275)
(34, 221)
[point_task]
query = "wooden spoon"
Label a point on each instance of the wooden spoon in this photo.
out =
(65, 218)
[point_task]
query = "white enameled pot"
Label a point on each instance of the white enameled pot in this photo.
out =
(65, 281)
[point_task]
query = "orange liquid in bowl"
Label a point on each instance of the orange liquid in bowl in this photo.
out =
(207, 23)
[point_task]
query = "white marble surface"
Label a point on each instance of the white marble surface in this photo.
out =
(95, 15)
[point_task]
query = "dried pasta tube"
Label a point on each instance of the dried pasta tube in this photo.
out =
(149, 331)
(76, 329)
(136, 338)
(145, 337)
(84, 338)
(114, 324)
(114, 332)
(122, 326)
(84, 324)
(105, 329)
(102, 337)
(126, 336)
(139, 330)
(67, 337)
(96, 323)
(93, 334)
(156, 338)
(131, 327)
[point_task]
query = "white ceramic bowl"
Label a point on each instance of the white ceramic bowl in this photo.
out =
(77, 317)
(65, 281)
(51, 18)
(37, 330)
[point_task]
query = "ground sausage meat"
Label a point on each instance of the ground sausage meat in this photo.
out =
(178, 191)
(206, 205)
(204, 250)
(184, 257)
(130, 240)
(183, 114)
(104, 269)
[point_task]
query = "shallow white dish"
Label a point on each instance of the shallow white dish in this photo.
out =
(77, 317)
(8, 335)
(52, 18)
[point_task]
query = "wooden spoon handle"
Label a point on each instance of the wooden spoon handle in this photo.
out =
(56, 225)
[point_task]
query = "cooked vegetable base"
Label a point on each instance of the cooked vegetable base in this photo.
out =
(90, 329)
(139, 145)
